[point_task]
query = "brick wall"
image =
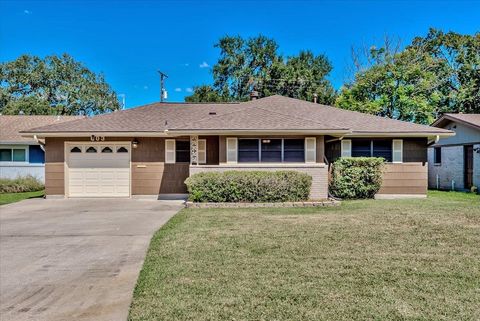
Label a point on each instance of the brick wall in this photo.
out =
(319, 173)
(450, 169)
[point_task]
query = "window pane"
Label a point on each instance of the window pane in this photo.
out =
(107, 150)
(361, 148)
(91, 149)
(122, 150)
(19, 155)
(437, 156)
(182, 151)
(248, 150)
(294, 150)
(271, 150)
(5, 155)
(75, 150)
(383, 148)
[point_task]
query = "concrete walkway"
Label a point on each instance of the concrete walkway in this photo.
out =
(74, 259)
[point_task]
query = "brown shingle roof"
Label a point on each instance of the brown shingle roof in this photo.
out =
(270, 113)
(469, 119)
(10, 126)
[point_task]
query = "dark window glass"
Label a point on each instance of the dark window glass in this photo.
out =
(294, 150)
(361, 148)
(182, 151)
(437, 155)
(248, 150)
(107, 150)
(122, 150)
(271, 150)
(19, 155)
(383, 148)
(75, 150)
(91, 149)
(5, 155)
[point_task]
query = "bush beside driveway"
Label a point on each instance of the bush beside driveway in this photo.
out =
(388, 259)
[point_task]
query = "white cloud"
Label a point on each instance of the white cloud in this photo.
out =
(188, 90)
(27, 11)
(178, 89)
(204, 65)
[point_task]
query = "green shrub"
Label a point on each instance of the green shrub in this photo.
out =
(20, 184)
(249, 186)
(356, 177)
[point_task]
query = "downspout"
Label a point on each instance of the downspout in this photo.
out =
(437, 138)
(42, 145)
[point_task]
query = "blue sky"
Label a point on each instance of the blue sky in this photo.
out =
(128, 41)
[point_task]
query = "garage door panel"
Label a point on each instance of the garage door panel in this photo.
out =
(99, 174)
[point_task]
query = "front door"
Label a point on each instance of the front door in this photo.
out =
(468, 163)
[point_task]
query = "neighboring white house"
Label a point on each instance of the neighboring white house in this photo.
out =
(454, 162)
(21, 156)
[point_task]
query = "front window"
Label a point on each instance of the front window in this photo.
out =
(13, 155)
(372, 148)
(294, 150)
(248, 151)
(437, 155)
(182, 151)
(271, 150)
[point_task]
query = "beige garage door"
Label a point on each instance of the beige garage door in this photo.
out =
(98, 170)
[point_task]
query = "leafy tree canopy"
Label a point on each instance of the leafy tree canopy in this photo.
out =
(55, 85)
(438, 73)
(255, 64)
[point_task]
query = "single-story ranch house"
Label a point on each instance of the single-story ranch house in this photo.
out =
(151, 150)
(22, 156)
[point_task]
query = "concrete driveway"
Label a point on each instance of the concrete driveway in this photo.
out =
(74, 259)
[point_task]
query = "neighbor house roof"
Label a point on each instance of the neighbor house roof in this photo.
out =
(468, 119)
(10, 126)
(274, 113)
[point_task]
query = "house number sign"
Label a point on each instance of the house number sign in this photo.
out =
(95, 138)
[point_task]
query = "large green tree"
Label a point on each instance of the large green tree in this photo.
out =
(55, 85)
(436, 73)
(255, 64)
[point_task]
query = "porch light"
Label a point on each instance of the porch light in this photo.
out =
(266, 141)
(135, 143)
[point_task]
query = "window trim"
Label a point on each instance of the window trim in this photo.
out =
(282, 140)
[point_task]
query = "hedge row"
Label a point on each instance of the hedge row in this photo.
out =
(249, 186)
(356, 177)
(20, 185)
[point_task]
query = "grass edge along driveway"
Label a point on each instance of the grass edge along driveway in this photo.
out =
(7, 198)
(382, 260)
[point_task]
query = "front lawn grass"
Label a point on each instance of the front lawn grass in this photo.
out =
(365, 260)
(6, 198)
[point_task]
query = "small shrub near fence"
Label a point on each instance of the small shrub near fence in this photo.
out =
(249, 186)
(20, 185)
(356, 177)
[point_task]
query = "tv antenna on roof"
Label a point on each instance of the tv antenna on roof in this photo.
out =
(163, 92)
